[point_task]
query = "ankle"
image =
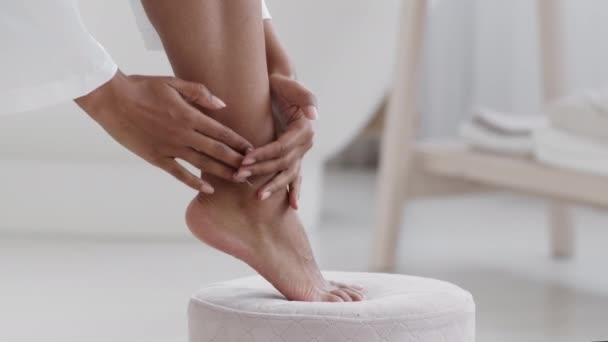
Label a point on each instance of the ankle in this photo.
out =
(245, 191)
(244, 198)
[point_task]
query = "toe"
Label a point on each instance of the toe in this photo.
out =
(358, 291)
(352, 289)
(340, 293)
(348, 286)
(332, 298)
(354, 295)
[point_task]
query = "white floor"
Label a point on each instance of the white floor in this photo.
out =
(74, 289)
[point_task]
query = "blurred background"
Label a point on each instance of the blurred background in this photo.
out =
(93, 243)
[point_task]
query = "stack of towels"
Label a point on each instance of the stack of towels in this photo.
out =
(577, 134)
(503, 133)
(573, 134)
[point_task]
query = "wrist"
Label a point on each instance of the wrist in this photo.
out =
(94, 102)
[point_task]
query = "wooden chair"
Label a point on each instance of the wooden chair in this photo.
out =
(409, 169)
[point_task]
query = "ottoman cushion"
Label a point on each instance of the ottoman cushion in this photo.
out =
(399, 308)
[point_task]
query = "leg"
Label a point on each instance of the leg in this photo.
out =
(561, 230)
(221, 44)
(398, 139)
(559, 216)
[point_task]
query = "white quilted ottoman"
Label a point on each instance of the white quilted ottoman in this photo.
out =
(398, 309)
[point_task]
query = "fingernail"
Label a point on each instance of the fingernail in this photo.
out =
(207, 189)
(217, 102)
(314, 114)
(249, 150)
(265, 195)
(243, 174)
(248, 161)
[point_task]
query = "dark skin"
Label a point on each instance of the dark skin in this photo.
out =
(162, 119)
(243, 220)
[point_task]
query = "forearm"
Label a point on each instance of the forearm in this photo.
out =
(277, 57)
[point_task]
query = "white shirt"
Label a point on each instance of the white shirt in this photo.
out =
(151, 38)
(56, 57)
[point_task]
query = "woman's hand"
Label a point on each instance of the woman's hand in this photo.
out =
(294, 108)
(154, 117)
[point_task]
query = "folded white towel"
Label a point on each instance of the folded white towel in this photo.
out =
(503, 133)
(478, 137)
(583, 114)
(509, 123)
(563, 149)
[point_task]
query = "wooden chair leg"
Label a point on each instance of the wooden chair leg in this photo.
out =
(553, 74)
(397, 146)
(561, 231)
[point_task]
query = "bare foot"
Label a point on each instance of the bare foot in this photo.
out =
(275, 245)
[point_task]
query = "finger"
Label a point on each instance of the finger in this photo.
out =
(293, 90)
(294, 192)
(208, 165)
(216, 149)
(272, 166)
(186, 177)
(285, 144)
(268, 167)
(206, 125)
(280, 181)
(311, 112)
(219, 132)
(196, 93)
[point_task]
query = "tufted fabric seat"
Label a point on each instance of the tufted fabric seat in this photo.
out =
(399, 308)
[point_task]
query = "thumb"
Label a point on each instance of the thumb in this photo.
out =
(196, 93)
(294, 93)
(311, 112)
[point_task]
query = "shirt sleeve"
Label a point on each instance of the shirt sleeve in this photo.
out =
(151, 39)
(48, 56)
(265, 11)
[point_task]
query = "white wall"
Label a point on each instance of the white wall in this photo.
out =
(486, 52)
(59, 172)
(447, 78)
(587, 47)
(64, 132)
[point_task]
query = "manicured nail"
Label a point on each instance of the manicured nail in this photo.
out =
(243, 174)
(265, 195)
(248, 160)
(314, 113)
(217, 102)
(207, 189)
